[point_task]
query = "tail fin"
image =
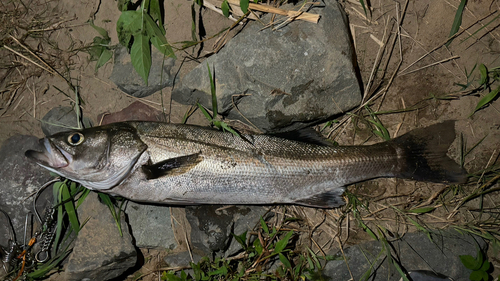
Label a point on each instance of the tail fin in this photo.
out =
(422, 154)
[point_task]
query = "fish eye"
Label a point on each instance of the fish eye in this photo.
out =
(75, 138)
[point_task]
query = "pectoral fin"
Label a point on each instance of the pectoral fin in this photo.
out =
(172, 166)
(329, 199)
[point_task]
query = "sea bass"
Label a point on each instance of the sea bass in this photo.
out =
(186, 165)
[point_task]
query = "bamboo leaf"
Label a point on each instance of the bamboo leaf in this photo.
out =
(157, 37)
(140, 53)
(457, 21)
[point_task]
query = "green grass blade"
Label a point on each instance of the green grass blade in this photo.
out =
(84, 195)
(226, 127)
(364, 6)
(205, 112)
(212, 91)
(421, 210)
(70, 208)
(458, 21)
(107, 201)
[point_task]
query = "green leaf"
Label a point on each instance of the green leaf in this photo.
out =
(193, 23)
(129, 24)
(281, 245)
(458, 20)
(157, 37)
(101, 30)
(84, 195)
(244, 5)
(241, 239)
(225, 8)
(140, 54)
(486, 266)
(106, 55)
(70, 209)
(155, 12)
(258, 247)
(364, 6)
(478, 275)
(421, 210)
(486, 99)
(264, 225)
(470, 262)
(484, 75)
(285, 261)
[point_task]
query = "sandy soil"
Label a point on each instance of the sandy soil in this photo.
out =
(430, 89)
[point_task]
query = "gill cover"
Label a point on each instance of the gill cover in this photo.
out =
(98, 158)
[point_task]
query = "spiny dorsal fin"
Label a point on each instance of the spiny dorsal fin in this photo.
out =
(172, 166)
(328, 200)
(306, 135)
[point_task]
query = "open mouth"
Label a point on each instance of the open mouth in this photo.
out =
(51, 155)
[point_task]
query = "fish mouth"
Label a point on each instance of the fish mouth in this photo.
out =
(50, 156)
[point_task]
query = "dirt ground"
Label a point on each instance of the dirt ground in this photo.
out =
(410, 61)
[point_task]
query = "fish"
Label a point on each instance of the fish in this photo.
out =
(179, 164)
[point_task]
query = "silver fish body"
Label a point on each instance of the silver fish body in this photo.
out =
(182, 164)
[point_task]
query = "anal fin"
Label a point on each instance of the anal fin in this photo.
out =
(172, 166)
(327, 200)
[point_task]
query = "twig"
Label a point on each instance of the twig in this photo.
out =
(268, 9)
(429, 65)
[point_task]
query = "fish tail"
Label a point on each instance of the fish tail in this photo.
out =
(422, 155)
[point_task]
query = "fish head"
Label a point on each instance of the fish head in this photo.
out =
(99, 158)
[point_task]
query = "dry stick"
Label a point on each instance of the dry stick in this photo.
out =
(448, 39)
(378, 59)
(378, 94)
(398, 37)
(423, 48)
(52, 70)
(269, 9)
(429, 65)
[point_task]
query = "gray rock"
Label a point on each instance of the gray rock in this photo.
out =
(414, 252)
(19, 178)
(100, 253)
(151, 226)
(126, 78)
(281, 80)
(61, 119)
(181, 259)
(212, 225)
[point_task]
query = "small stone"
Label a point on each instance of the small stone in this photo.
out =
(61, 119)
(181, 259)
(128, 80)
(99, 252)
(151, 226)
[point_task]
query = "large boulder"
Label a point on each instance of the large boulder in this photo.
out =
(281, 80)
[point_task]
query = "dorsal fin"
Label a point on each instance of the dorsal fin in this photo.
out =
(306, 135)
(172, 166)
